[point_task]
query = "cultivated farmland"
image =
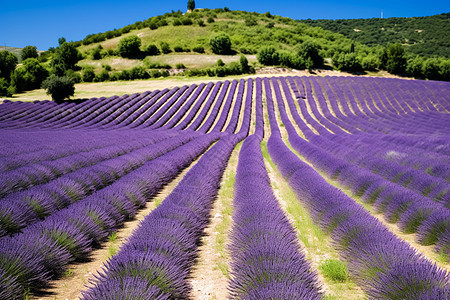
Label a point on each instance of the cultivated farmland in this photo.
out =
(252, 189)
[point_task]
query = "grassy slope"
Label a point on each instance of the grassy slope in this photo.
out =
(426, 36)
(285, 35)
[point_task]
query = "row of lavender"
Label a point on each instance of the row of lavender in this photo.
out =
(429, 216)
(94, 187)
(416, 210)
(156, 260)
(267, 262)
(385, 266)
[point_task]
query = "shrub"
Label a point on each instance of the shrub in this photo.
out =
(198, 49)
(29, 76)
(149, 64)
(29, 52)
(310, 50)
(155, 74)
(59, 88)
(270, 25)
(396, 59)
(76, 77)
(186, 21)
(165, 73)
(210, 20)
(129, 46)
(221, 44)
(334, 269)
(102, 76)
(181, 49)
(430, 68)
(220, 63)
(414, 66)
(347, 62)
(234, 69)
(244, 64)
(268, 56)
(444, 69)
(221, 71)
(370, 62)
(138, 73)
(201, 23)
(97, 53)
(250, 21)
(8, 62)
(115, 76)
(151, 50)
(165, 48)
(177, 22)
(248, 50)
(180, 66)
(87, 74)
(106, 67)
(153, 25)
(4, 88)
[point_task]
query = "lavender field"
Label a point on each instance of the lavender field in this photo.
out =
(366, 159)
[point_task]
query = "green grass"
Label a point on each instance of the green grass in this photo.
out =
(334, 270)
(226, 195)
(68, 273)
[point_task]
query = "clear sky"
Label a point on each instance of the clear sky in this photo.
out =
(41, 22)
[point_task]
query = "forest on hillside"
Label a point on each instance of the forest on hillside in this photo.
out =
(425, 36)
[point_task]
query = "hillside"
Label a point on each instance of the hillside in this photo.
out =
(427, 36)
(249, 33)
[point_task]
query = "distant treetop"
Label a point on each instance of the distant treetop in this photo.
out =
(191, 5)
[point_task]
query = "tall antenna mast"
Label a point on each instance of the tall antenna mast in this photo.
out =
(382, 14)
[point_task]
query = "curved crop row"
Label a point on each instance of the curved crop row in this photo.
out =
(384, 266)
(44, 249)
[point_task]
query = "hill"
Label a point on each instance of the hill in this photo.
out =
(186, 33)
(14, 50)
(427, 36)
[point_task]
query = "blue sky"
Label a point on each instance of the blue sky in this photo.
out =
(41, 23)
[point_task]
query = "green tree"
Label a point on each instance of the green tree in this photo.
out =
(8, 62)
(29, 52)
(5, 89)
(59, 88)
(61, 41)
(347, 62)
(88, 74)
(29, 76)
(310, 51)
(129, 46)
(97, 53)
(244, 64)
(444, 69)
(268, 56)
(65, 58)
(430, 68)
(396, 59)
(220, 44)
(414, 66)
(191, 5)
(151, 50)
